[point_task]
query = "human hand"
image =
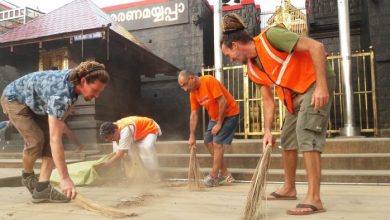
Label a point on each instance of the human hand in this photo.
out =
(217, 127)
(268, 139)
(68, 188)
(192, 142)
(320, 97)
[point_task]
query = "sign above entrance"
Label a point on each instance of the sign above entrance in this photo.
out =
(152, 15)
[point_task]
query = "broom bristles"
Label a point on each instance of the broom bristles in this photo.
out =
(255, 208)
(135, 169)
(101, 209)
(194, 174)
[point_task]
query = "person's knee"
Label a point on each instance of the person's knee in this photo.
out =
(311, 153)
(35, 145)
(217, 146)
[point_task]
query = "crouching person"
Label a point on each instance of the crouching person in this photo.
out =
(129, 132)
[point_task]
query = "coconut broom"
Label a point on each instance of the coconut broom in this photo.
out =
(135, 169)
(194, 174)
(101, 209)
(254, 208)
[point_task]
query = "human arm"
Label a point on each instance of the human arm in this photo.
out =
(221, 114)
(193, 125)
(56, 128)
(121, 146)
(287, 41)
(317, 52)
(118, 155)
(269, 111)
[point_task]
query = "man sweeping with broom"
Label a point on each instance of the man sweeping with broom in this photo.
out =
(133, 132)
(296, 66)
(223, 110)
(37, 105)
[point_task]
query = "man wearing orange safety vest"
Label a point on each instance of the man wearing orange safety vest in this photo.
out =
(133, 131)
(296, 67)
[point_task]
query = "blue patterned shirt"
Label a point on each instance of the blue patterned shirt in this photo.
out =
(45, 93)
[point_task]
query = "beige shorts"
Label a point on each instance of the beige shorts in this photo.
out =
(305, 129)
(32, 127)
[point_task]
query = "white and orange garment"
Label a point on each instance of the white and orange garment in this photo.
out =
(141, 132)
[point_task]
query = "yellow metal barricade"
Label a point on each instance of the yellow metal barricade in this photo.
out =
(247, 95)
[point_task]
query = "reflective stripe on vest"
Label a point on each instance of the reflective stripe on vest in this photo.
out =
(277, 59)
(283, 69)
(253, 71)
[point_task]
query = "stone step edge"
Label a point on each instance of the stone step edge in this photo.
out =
(280, 155)
(281, 171)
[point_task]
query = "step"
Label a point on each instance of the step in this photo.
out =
(330, 176)
(367, 161)
(333, 145)
(18, 163)
(15, 148)
(14, 159)
(68, 154)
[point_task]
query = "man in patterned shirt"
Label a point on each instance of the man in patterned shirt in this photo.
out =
(37, 105)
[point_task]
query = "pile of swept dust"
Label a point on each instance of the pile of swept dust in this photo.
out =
(137, 185)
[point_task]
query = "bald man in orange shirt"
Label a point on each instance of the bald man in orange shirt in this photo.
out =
(223, 111)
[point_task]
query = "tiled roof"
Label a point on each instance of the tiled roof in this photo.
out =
(71, 20)
(76, 16)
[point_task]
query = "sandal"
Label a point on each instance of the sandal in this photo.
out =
(312, 210)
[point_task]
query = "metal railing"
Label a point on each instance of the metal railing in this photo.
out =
(248, 97)
(12, 18)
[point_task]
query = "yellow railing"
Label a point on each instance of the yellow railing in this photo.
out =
(247, 95)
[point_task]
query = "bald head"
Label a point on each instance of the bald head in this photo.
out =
(187, 80)
(185, 74)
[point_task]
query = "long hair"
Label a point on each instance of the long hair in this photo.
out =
(233, 30)
(91, 71)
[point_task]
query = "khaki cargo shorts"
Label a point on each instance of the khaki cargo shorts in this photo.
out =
(305, 129)
(32, 127)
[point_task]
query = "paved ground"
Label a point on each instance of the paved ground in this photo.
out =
(175, 201)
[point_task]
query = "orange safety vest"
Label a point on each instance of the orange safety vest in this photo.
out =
(289, 72)
(142, 126)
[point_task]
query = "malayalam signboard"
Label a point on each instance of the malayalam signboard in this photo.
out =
(152, 15)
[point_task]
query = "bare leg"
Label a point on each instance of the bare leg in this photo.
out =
(223, 169)
(210, 147)
(46, 169)
(28, 163)
(313, 171)
(290, 160)
(218, 159)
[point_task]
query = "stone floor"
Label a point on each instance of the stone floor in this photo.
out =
(173, 200)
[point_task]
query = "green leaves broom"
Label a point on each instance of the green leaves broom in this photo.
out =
(255, 208)
(194, 174)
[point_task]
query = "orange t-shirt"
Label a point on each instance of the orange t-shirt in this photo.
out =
(206, 95)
